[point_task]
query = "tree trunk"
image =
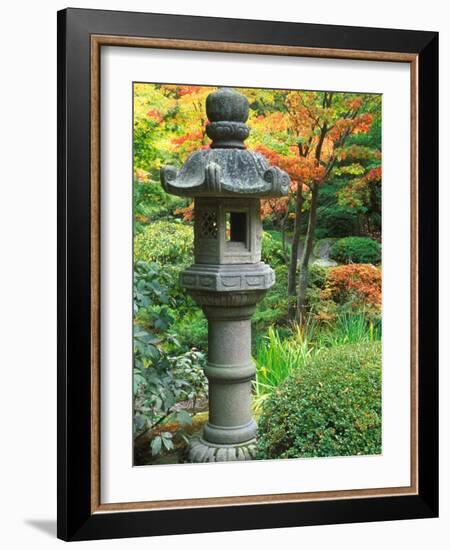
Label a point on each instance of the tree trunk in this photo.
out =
(292, 272)
(304, 263)
(283, 234)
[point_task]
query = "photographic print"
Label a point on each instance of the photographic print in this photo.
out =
(257, 274)
(247, 296)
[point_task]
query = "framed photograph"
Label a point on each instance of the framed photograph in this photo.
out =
(247, 255)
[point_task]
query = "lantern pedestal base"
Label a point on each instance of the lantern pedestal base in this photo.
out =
(204, 451)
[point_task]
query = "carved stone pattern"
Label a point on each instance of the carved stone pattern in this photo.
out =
(224, 283)
(203, 451)
(278, 179)
(227, 299)
(219, 132)
(212, 177)
(209, 227)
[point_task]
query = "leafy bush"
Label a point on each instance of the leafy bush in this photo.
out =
(317, 277)
(190, 367)
(151, 203)
(272, 250)
(160, 381)
(356, 250)
(165, 243)
(152, 300)
(156, 389)
(191, 325)
(336, 221)
(356, 285)
(329, 407)
(272, 309)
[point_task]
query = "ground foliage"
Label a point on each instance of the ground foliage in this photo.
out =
(329, 406)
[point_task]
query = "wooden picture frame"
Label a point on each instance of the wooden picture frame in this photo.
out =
(81, 35)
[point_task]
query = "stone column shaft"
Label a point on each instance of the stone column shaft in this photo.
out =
(230, 370)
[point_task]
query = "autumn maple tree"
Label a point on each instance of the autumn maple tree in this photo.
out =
(313, 129)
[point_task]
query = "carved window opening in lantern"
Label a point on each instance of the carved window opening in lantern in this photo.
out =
(236, 228)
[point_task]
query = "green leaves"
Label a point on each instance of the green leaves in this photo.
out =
(156, 445)
(183, 417)
(165, 243)
(161, 442)
(330, 406)
(160, 380)
(356, 250)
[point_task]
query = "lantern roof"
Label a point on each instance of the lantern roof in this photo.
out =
(227, 168)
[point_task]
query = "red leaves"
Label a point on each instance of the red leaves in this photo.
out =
(274, 206)
(187, 212)
(373, 175)
(155, 115)
(191, 136)
(355, 104)
(354, 125)
(186, 90)
(301, 170)
(360, 281)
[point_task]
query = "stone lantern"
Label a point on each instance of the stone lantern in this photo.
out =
(228, 277)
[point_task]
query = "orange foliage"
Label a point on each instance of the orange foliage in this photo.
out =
(186, 90)
(357, 190)
(300, 169)
(187, 212)
(191, 136)
(273, 122)
(360, 282)
(141, 175)
(346, 126)
(274, 206)
(181, 91)
(155, 115)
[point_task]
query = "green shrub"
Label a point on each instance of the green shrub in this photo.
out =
(329, 407)
(336, 221)
(273, 308)
(152, 297)
(191, 326)
(165, 243)
(161, 380)
(272, 250)
(317, 277)
(152, 203)
(356, 250)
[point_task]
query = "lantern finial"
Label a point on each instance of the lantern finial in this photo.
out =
(227, 112)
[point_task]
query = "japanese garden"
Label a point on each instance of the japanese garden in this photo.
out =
(257, 274)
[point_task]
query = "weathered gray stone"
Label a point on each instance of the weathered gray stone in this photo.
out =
(227, 231)
(228, 277)
(225, 172)
(325, 262)
(211, 452)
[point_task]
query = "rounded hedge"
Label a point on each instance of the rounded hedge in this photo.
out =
(356, 250)
(331, 406)
(165, 242)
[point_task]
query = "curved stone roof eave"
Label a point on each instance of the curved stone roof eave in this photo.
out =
(227, 173)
